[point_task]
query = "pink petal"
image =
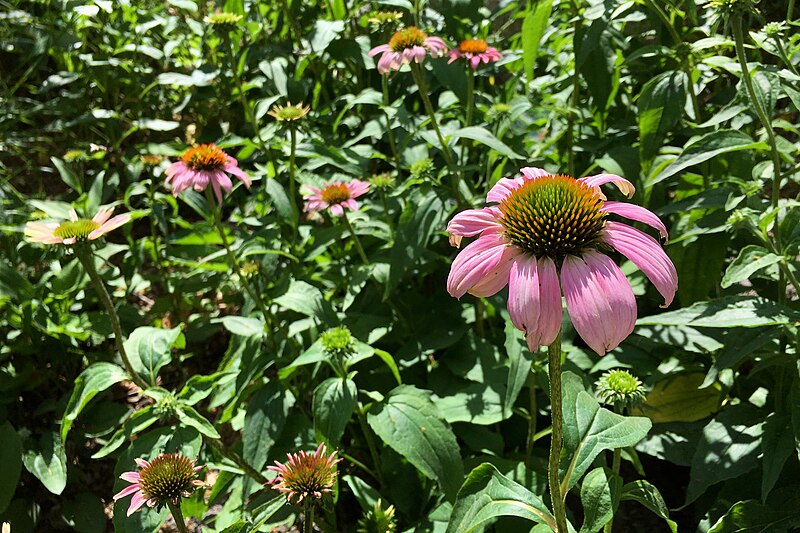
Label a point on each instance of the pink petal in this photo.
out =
(599, 300)
(130, 489)
(130, 477)
(533, 173)
(112, 224)
(357, 187)
(142, 463)
(622, 184)
(634, 212)
(102, 215)
(223, 180)
(503, 188)
(239, 173)
(136, 503)
(73, 215)
(534, 299)
(479, 260)
(350, 204)
(215, 188)
(645, 252)
(337, 210)
(475, 61)
(378, 49)
(474, 221)
(496, 279)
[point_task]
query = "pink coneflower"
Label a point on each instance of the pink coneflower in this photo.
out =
(475, 51)
(407, 45)
(545, 227)
(202, 165)
(75, 229)
(335, 196)
(166, 479)
(306, 475)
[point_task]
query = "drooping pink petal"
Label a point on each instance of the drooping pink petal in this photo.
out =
(337, 210)
(474, 221)
(533, 173)
(102, 215)
(141, 463)
(503, 188)
(497, 278)
(350, 204)
(378, 49)
(534, 299)
(635, 212)
(645, 252)
(223, 180)
(239, 173)
(112, 224)
(599, 300)
(474, 263)
(357, 187)
(130, 489)
(130, 477)
(42, 232)
(136, 503)
(622, 184)
(215, 188)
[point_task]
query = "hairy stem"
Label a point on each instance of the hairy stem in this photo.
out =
(389, 132)
(177, 515)
(532, 419)
(557, 436)
(356, 242)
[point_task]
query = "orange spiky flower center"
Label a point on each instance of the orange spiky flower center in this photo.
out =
(553, 216)
(168, 478)
(472, 46)
(205, 157)
(407, 38)
(335, 193)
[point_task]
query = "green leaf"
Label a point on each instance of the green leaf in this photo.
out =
(335, 399)
(264, 512)
(264, 421)
(244, 326)
(198, 78)
(138, 421)
(48, 462)
(643, 492)
(409, 423)
(325, 31)
(67, 175)
(661, 106)
(483, 136)
(200, 387)
(520, 360)
(590, 429)
(777, 446)
(727, 312)
(11, 459)
(308, 300)
(280, 200)
(533, 27)
(752, 516)
(707, 147)
(598, 506)
(487, 494)
(750, 260)
(13, 285)
(679, 398)
(94, 379)
(155, 124)
(149, 349)
(389, 361)
(190, 417)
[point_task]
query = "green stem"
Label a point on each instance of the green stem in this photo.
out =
(232, 261)
(308, 517)
(784, 57)
(236, 459)
(83, 252)
(389, 221)
(790, 11)
(470, 96)
(250, 117)
(292, 183)
(389, 132)
(532, 418)
(373, 449)
(357, 243)
(615, 465)
(177, 515)
(557, 435)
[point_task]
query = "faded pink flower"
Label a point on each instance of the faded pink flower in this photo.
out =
(75, 229)
(306, 475)
(407, 45)
(475, 51)
(165, 479)
(335, 196)
(202, 165)
(545, 227)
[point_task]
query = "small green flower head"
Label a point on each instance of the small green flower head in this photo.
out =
(382, 18)
(378, 520)
(382, 181)
(337, 341)
(774, 30)
(223, 21)
(422, 169)
(742, 218)
(166, 407)
(288, 112)
(620, 388)
(732, 7)
(75, 155)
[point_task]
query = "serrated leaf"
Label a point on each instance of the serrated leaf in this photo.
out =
(94, 379)
(190, 417)
(750, 260)
(335, 399)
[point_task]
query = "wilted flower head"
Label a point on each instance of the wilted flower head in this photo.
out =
(75, 229)
(288, 112)
(165, 479)
(475, 51)
(382, 18)
(620, 388)
(306, 475)
(223, 20)
(384, 180)
(201, 165)
(335, 196)
(378, 519)
(422, 168)
(542, 228)
(337, 341)
(407, 45)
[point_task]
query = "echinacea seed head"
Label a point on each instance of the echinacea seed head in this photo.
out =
(620, 388)
(76, 229)
(382, 181)
(472, 46)
(381, 18)
(288, 112)
(337, 341)
(378, 519)
(407, 38)
(553, 216)
(335, 193)
(205, 157)
(421, 168)
(168, 478)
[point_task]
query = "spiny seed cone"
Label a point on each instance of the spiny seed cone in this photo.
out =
(168, 478)
(553, 216)
(76, 229)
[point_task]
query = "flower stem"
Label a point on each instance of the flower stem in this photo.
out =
(532, 419)
(233, 262)
(250, 117)
(236, 459)
(389, 132)
(557, 436)
(470, 96)
(615, 465)
(308, 517)
(419, 78)
(85, 257)
(784, 57)
(292, 183)
(177, 515)
(389, 221)
(357, 243)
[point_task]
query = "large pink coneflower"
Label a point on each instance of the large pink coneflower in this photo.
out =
(475, 51)
(544, 227)
(203, 165)
(335, 196)
(407, 45)
(162, 481)
(75, 229)
(306, 475)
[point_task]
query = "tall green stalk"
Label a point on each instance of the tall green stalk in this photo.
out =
(557, 435)
(356, 242)
(389, 132)
(249, 115)
(177, 515)
(292, 165)
(84, 254)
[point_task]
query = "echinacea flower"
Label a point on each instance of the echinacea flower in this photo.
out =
(407, 45)
(202, 165)
(548, 227)
(166, 479)
(75, 229)
(475, 51)
(620, 389)
(335, 196)
(306, 475)
(288, 112)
